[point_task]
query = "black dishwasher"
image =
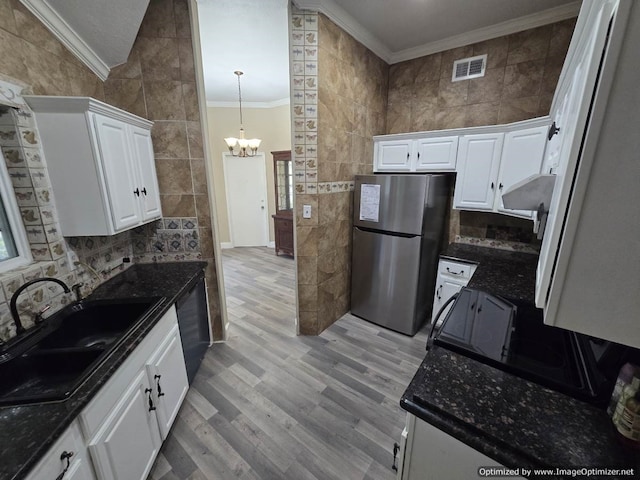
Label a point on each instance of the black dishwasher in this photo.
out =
(193, 322)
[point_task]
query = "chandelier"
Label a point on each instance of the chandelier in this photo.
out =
(246, 147)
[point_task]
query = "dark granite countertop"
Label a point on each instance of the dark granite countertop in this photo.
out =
(510, 274)
(516, 422)
(27, 431)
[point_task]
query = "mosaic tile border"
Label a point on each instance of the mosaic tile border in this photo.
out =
(304, 81)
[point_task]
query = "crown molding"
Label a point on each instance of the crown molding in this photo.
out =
(515, 25)
(68, 36)
(273, 104)
(350, 25)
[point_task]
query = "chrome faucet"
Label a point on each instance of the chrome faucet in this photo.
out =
(14, 299)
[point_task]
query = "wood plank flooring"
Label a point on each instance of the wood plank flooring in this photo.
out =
(268, 404)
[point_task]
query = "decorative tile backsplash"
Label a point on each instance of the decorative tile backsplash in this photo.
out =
(168, 240)
(85, 260)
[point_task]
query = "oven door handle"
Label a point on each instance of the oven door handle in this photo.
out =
(434, 320)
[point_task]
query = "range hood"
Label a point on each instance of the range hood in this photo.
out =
(532, 193)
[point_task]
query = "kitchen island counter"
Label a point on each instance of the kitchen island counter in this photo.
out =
(27, 431)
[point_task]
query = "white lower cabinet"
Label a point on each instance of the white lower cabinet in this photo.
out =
(129, 418)
(123, 426)
(168, 377)
(129, 440)
(452, 276)
(431, 454)
(69, 446)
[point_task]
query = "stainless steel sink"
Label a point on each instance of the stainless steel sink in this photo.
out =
(59, 357)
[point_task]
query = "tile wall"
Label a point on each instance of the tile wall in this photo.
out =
(157, 82)
(339, 103)
(521, 77)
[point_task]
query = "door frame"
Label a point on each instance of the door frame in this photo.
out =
(227, 157)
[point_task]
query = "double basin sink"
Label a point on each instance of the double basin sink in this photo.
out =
(57, 356)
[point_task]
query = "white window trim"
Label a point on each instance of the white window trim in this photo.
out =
(15, 221)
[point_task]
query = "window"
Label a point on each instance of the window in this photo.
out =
(14, 246)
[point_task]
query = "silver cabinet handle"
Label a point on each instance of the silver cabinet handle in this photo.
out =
(455, 273)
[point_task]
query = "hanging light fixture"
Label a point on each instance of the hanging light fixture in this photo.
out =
(242, 143)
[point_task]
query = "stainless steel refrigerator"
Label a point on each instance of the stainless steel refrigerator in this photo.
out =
(398, 225)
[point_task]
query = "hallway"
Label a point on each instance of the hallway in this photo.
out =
(268, 404)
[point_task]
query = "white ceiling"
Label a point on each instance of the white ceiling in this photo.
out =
(252, 35)
(247, 35)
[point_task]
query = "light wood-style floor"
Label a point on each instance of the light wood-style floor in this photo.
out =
(268, 404)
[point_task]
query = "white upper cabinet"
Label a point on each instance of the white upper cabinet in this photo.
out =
(490, 163)
(437, 154)
(522, 156)
(587, 278)
(415, 153)
(149, 191)
(478, 166)
(393, 156)
(101, 165)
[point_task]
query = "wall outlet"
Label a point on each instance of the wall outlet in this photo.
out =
(306, 211)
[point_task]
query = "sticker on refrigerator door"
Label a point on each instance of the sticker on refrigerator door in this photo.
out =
(369, 202)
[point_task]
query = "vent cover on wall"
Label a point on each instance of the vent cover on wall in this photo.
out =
(472, 67)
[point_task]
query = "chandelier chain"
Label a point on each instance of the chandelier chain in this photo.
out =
(240, 99)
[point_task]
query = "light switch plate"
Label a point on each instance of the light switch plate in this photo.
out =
(306, 211)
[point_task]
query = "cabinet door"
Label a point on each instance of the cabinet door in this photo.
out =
(129, 440)
(168, 376)
(146, 170)
(437, 154)
(119, 171)
(445, 289)
(522, 156)
(433, 454)
(478, 163)
(393, 155)
(53, 463)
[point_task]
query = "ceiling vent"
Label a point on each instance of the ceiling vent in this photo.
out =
(472, 67)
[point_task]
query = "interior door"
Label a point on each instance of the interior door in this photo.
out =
(245, 180)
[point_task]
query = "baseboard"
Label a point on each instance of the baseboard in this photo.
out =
(271, 245)
(224, 245)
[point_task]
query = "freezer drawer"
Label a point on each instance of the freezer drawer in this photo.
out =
(385, 279)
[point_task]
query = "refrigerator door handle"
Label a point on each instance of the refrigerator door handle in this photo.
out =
(382, 232)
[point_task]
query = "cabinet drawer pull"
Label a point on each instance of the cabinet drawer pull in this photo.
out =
(552, 131)
(438, 292)
(454, 273)
(65, 456)
(158, 388)
(493, 186)
(500, 186)
(407, 156)
(151, 406)
(144, 190)
(137, 192)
